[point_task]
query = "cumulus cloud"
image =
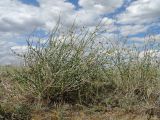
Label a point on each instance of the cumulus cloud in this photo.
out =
(139, 16)
(100, 6)
(19, 49)
(6, 56)
(133, 29)
(153, 38)
(17, 17)
(141, 11)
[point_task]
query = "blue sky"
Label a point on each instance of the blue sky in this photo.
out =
(18, 18)
(31, 2)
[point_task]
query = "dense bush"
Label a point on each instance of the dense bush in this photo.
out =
(66, 68)
(75, 66)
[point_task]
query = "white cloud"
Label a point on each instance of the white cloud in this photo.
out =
(133, 29)
(154, 38)
(139, 17)
(100, 6)
(93, 9)
(107, 21)
(17, 17)
(141, 11)
(19, 49)
(6, 56)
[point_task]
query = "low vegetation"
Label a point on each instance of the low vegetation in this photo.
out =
(81, 68)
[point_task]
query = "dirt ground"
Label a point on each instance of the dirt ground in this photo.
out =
(88, 115)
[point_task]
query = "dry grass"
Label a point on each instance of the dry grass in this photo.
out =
(70, 114)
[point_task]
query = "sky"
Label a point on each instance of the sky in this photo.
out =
(18, 18)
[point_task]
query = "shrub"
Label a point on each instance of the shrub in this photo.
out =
(66, 68)
(75, 67)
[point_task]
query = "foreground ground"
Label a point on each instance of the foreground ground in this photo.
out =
(91, 114)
